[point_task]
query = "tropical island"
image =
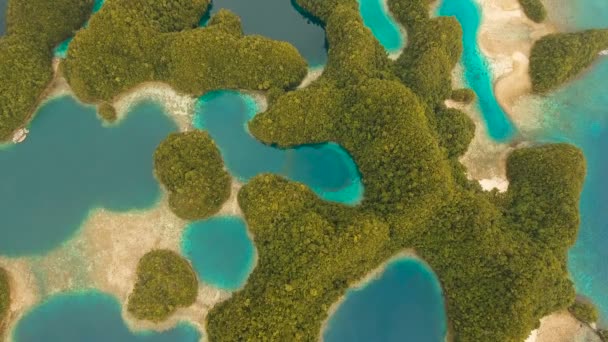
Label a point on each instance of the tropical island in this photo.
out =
(501, 258)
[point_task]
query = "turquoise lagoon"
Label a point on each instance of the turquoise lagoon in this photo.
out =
(404, 304)
(61, 51)
(382, 24)
(280, 20)
(326, 168)
(71, 164)
(88, 316)
(220, 250)
(477, 71)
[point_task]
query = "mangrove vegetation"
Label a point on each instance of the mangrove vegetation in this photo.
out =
(165, 282)
(559, 57)
(34, 28)
(190, 167)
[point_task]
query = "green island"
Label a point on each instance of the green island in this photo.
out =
(559, 57)
(34, 28)
(464, 95)
(107, 112)
(534, 9)
(5, 298)
(165, 282)
(501, 258)
(190, 167)
(131, 42)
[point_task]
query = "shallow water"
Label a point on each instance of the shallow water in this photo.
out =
(280, 20)
(404, 304)
(70, 164)
(88, 316)
(3, 10)
(477, 70)
(220, 251)
(327, 168)
(376, 16)
(61, 51)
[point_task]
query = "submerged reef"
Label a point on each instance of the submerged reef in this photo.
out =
(34, 28)
(559, 57)
(165, 282)
(130, 42)
(190, 167)
(501, 258)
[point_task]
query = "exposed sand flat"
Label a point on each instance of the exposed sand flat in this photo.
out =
(313, 74)
(563, 327)
(231, 207)
(179, 106)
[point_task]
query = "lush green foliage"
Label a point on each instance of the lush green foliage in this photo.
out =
(464, 95)
(5, 298)
(584, 311)
(35, 27)
(130, 42)
(107, 112)
(534, 9)
(559, 57)
(189, 165)
(501, 258)
(165, 282)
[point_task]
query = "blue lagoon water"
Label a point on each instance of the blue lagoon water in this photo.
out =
(88, 316)
(327, 168)
(280, 20)
(3, 10)
(220, 251)
(477, 68)
(71, 164)
(404, 304)
(61, 51)
(376, 16)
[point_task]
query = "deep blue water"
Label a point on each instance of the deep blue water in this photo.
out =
(88, 316)
(71, 164)
(327, 168)
(477, 68)
(220, 251)
(61, 51)
(280, 20)
(383, 26)
(3, 10)
(404, 304)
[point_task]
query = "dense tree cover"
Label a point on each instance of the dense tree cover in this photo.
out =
(501, 258)
(34, 28)
(464, 95)
(558, 57)
(190, 166)
(107, 112)
(5, 298)
(165, 282)
(584, 311)
(534, 9)
(130, 42)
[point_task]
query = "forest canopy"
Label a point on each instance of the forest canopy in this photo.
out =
(534, 9)
(5, 298)
(559, 57)
(190, 167)
(165, 282)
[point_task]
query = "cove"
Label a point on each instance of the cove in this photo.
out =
(326, 168)
(404, 304)
(69, 164)
(90, 316)
(280, 20)
(61, 51)
(477, 68)
(377, 18)
(220, 251)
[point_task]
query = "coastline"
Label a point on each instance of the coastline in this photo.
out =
(402, 32)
